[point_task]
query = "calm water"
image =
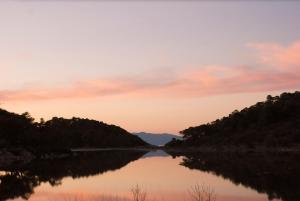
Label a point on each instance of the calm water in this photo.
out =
(105, 175)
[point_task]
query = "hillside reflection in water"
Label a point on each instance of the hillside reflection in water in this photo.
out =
(107, 174)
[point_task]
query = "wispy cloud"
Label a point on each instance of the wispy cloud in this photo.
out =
(278, 69)
(279, 56)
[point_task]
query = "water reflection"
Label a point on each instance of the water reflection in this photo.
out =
(276, 174)
(21, 181)
(273, 175)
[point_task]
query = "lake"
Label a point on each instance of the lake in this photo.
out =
(111, 175)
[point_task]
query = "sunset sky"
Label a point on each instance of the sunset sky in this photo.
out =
(156, 66)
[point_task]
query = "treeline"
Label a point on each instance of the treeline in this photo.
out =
(272, 123)
(61, 134)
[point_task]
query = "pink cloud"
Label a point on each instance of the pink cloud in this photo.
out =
(82, 89)
(226, 80)
(279, 56)
(280, 71)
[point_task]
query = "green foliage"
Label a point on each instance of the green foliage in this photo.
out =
(275, 122)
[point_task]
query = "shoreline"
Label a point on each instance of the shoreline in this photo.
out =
(150, 148)
(18, 156)
(210, 149)
(233, 149)
(10, 157)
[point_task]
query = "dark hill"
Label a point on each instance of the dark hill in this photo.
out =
(60, 134)
(273, 123)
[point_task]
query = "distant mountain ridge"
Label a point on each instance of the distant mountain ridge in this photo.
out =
(157, 139)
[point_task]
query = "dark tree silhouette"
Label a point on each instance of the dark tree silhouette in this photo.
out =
(60, 134)
(273, 123)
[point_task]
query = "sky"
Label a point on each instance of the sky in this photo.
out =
(154, 66)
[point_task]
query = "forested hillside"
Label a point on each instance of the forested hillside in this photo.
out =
(272, 123)
(59, 133)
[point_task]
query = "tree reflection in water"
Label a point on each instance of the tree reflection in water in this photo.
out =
(275, 174)
(21, 181)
